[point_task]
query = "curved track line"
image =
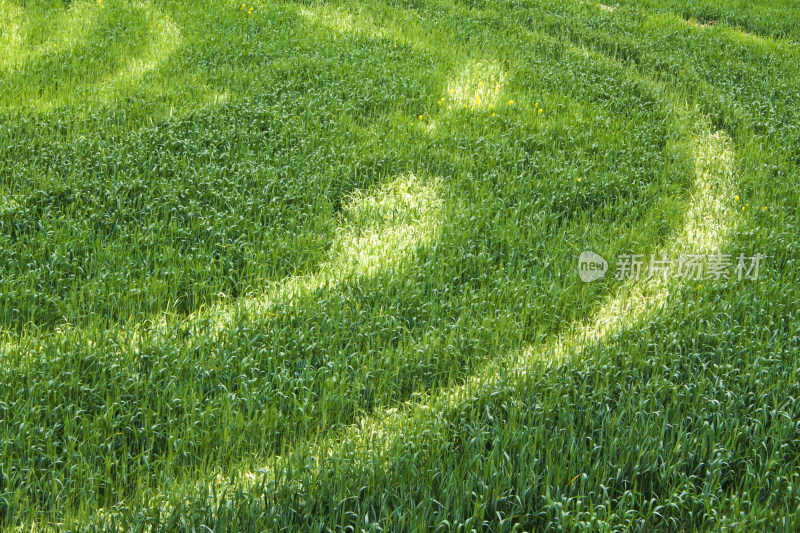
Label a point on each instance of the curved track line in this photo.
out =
(379, 232)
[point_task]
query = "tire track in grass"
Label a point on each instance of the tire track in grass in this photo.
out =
(707, 223)
(381, 230)
(70, 34)
(68, 29)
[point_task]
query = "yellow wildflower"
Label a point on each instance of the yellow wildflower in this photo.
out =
(420, 117)
(736, 197)
(511, 102)
(540, 110)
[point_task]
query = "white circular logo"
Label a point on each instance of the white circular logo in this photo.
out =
(591, 266)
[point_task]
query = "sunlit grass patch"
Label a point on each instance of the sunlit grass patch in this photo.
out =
(478, 86)
(33, 32)
(333, 17)
(8, 201)
(368, 20)
(762, 44)
(734, 35)
(709, 218)
(355, 20)
(163, 37)
(377, 435)
(11, 38)
(379, 231)
(59, 60)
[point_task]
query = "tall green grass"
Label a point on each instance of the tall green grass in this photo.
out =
(312, 266)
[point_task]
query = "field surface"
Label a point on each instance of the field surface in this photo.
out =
(314, 266)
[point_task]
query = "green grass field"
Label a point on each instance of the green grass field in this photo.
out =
(313, 266)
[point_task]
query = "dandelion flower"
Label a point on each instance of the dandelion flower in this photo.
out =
(540, 110)
(742, 208)
(536, 104)
(493, 114)
(420, 117)
(579, 179)
(736, 197)
(511, 102)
